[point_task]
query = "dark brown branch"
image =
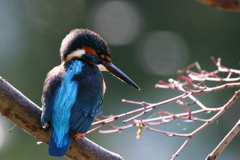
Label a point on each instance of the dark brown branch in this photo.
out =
(21, 111)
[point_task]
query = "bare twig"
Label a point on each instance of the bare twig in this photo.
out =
(181, 148)
(190, 86)
(223, 144)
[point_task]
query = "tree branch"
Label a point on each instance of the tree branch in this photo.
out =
(233, 5)
(190, 84)
(21, 111)
(223, 144)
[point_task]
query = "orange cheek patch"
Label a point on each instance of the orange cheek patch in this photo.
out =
(89, 50)
(108, 58)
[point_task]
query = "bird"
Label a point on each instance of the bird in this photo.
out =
(73, 91)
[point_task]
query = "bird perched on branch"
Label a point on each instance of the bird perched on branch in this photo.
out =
(73, 91)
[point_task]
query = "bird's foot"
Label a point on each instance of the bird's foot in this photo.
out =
(79, 135)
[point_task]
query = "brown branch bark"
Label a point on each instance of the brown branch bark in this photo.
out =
(233, 5)
(21, 111)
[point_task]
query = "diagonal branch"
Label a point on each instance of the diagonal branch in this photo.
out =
(223, 144)
(21, 111)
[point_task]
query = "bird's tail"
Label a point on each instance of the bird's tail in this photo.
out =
(58, 149)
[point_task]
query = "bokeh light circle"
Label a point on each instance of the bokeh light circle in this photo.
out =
(162, 53)
(118, 22)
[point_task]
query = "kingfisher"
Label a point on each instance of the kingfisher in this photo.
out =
(73, 91)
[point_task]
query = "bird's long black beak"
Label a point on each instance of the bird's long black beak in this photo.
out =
(119, 74)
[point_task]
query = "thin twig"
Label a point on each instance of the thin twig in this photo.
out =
(190, 87)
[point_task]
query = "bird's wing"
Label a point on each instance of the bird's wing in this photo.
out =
(88, 103)
(51, 86)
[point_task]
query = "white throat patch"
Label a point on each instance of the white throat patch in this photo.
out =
(78, 53)
(101, 67)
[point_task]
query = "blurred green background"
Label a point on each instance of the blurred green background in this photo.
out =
(149, 41)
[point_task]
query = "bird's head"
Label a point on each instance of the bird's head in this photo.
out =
(91, 48)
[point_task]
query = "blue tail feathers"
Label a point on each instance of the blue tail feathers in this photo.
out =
(58, 150)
